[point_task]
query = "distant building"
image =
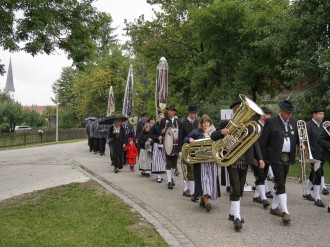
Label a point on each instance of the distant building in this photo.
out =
(37, 108)
(9, 88)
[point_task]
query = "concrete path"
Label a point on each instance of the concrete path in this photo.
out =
(180, 221)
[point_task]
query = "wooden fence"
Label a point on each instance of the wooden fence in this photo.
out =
(30, 137)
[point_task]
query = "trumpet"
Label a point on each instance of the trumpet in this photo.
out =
(306, 156)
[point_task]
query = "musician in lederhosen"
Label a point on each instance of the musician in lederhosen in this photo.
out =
(278, 144)
(324, 142)
(206, 173)
(188, 125)
(314, 129)
(261, 189)
(171, 121)
(158, 154)
(238, 171)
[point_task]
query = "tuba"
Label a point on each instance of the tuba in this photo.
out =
(226, 151)
(306, 156)
(325, 126)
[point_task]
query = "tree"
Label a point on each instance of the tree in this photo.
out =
(10, 112)
(72, 26)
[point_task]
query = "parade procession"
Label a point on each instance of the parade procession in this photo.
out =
(249, 139)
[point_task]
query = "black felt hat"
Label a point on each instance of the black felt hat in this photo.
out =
(192, 108)
(144, 114)
(151, 118)
(318, 109)
(266, 110)
(287, 106)
(171, 108)
(236, 101)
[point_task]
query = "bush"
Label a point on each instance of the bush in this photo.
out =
(4, 128)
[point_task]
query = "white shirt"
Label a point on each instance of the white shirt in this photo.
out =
(286, 144)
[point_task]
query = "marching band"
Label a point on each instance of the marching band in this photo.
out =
(271, 143)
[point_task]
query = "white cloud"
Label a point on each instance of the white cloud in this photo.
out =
(33, 76)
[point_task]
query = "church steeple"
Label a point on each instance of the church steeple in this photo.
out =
(10, 81)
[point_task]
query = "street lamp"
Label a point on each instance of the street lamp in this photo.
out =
(57, 85)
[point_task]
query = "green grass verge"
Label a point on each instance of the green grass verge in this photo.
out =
(294, 171)
(73, 215)
(42, 144)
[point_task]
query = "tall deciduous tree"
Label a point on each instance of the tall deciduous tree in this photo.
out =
(44, 25)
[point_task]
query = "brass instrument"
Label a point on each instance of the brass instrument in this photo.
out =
(226, 151)
(326, 125)
(200, 151)
(306, 156)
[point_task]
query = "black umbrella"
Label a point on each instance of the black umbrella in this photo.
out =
(110, 119)
(89, 119)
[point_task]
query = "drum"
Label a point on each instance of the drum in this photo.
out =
(171, 141)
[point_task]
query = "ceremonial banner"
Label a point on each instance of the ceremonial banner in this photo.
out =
(111, 102)
(161, 92)
(128, 104)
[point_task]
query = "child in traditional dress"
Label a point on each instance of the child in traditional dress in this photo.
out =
(132, 153)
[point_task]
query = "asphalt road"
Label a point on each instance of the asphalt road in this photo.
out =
(180, 221)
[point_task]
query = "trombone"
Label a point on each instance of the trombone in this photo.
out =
(306, 156)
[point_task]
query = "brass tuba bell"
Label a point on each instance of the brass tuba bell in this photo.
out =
(226, 151)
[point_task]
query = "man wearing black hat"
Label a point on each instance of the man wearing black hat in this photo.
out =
(278, 143)
(171, 121)
(238, 171)
(262, 191)
(314, 129)
(188, 125)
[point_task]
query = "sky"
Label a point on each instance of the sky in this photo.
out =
(33, 76)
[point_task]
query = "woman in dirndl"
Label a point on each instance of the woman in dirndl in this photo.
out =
(158, 155)
(145, 157)
(206, 173)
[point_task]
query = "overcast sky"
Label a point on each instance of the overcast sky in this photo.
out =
(33, 76)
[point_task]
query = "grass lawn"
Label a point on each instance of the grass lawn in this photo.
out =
(73, 215)
(294, 171)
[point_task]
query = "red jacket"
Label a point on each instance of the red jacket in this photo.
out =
(132, 152)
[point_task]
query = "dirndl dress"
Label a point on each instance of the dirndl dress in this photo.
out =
(145, 159)
(158, 160)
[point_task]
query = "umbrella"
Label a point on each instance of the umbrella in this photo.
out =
(110, 119)
(89, 119)
(128, 105)
(161, 93)
(111, 102)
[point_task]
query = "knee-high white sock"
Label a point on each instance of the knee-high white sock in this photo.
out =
(231, 211)
(256, 192)
(323, 183)
(172, 170)
(262, 192)
(236, 209)
(266, 186)
(186, 185)
(192, 187)
(283, 198)
(308, 187)
(169, 175)
(275, 200)
(270, 171)
(317, 192)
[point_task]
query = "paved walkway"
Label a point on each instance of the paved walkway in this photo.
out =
(180, 221)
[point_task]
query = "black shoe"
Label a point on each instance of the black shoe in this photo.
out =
(116, 170)
(228, 189)
(328, 210)
(231, 218)
(257, 199)
(319, 203)
(237, 224)
(265, 203)
(173, 182)
(170, 186)
(193, 198)
(309, 197)
(325, 192)
(269, 194)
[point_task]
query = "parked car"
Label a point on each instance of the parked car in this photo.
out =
(22, 128)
